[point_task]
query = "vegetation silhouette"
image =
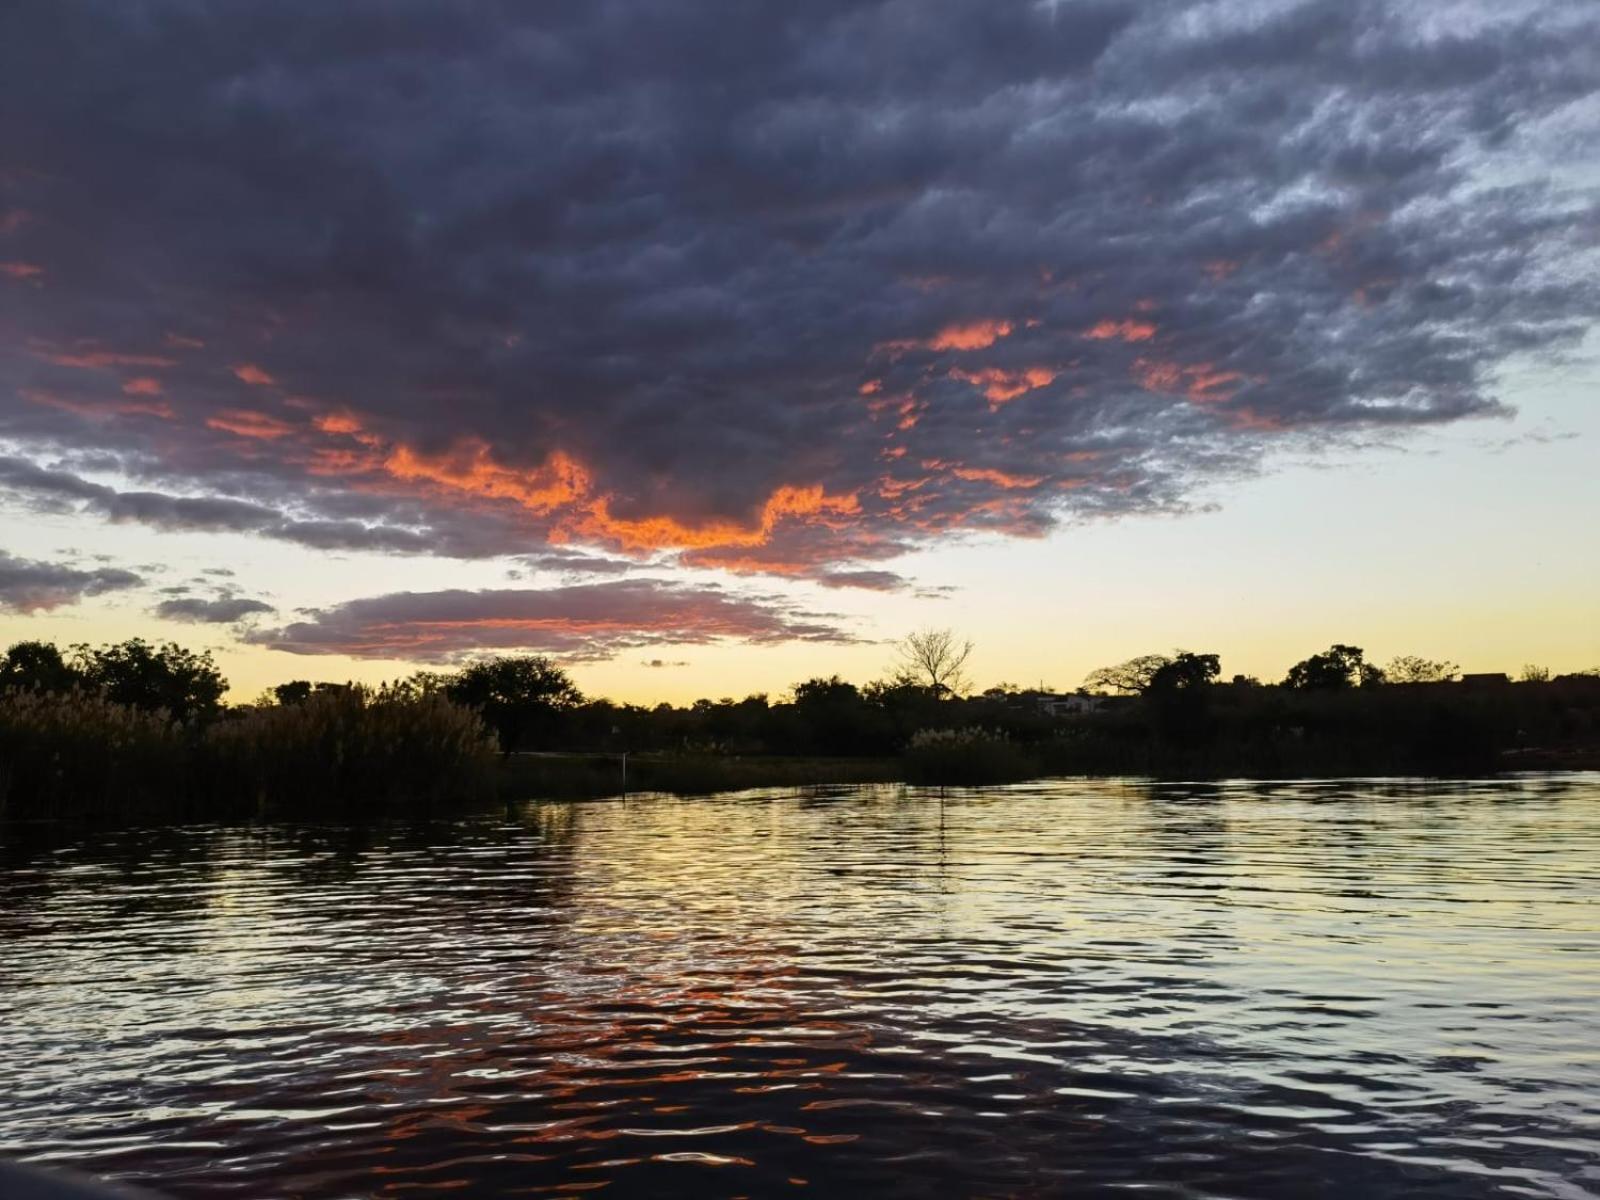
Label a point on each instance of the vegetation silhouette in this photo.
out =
(137, 729)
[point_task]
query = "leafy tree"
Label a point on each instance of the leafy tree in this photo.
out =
(831, 690)
(1533, 673)
(37, 666)
(1337, 667)
(1179, 697)
(830, 716)
(296, 691)
(152, 677)
(1185, 670)
(1129, 678)
(933, 659)
(1408, 668)
(521, 698)
(423, 683)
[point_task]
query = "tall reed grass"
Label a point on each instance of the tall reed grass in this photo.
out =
(339, 753)
(78, 753)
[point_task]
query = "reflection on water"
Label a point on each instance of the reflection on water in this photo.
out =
(1360, 989)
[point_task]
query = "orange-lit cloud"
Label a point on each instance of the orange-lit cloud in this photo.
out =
(100, 360)
(471, 467)
(810, 504)
(970, 335)
(1001, 479)
(1200, 382)
(976, 335)
(338, 421)
(142, 386)
(1001, 386)
(250, 424)
(99, 408)
(21, 270)
(1126, 330)
(253, 375)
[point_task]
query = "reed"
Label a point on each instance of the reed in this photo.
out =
(353, 751)
(966, 758)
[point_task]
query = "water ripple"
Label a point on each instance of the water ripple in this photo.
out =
(1358, 988)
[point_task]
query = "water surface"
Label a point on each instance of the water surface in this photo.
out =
(1351, 989)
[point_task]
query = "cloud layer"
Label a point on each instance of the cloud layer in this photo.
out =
(782, 289)
(580, 621)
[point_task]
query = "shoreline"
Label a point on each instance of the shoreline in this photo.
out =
(597, 776)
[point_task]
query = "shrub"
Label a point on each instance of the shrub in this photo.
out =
(965, 757)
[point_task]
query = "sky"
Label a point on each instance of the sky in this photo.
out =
(708, 347)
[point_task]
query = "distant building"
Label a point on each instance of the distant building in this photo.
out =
(1071, 704)
(1486, 679)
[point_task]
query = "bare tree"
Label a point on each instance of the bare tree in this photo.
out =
(934, 659)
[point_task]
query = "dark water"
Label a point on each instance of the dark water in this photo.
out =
(1358, 989)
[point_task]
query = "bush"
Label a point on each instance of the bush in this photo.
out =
(965, 757)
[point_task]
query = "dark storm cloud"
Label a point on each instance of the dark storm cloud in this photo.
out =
(579, 621)
(223, 610)
(782, 288)
(28, 585)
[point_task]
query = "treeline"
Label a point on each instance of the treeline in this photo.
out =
(139, 727)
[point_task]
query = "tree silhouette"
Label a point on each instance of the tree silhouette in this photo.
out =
(933, 659)
(151, 677)
(296, 691)
(1337, 667)
(1129, 678)
(1185, 670)
(521, 698)
(1408, 668)
(37, 666)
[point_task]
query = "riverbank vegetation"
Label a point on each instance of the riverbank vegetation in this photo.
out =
(140, 730)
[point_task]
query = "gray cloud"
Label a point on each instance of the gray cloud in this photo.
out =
(874, 581)
(222, 610)
(578, 621)
(782, 289)
(28, 585)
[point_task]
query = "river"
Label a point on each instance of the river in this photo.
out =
(1353, 989)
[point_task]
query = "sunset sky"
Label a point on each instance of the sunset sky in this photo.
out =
(709, 346)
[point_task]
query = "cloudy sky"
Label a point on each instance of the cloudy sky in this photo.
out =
(709, 344)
